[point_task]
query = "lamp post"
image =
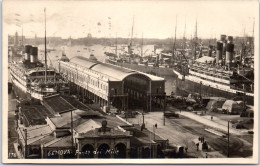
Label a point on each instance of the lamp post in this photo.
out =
(164, 107)
(153, 132)
(228, 141)
(143, 125)
(25, 140)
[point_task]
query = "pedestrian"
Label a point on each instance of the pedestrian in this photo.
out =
(206, 155)
(211, 117)
(199, 138)
(155, 125)
(186, 149)
(197, 146)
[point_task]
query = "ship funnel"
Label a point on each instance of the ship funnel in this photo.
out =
(34, 54)
(230, 39)
(223, 38)
(210, 50)
(27, 52)
(229, 53)
(224, 41)
(219, 52)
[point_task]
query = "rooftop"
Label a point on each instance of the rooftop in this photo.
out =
(36, 114)
(57, 103)
(112, 71)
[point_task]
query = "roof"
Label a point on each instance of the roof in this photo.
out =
(114, 132)
(59, 142)
(37, 133)
(112, 71)
(36, 114)
(58, 104)
(83, 61)
(87, 126)
(64, 119)
(74, 102)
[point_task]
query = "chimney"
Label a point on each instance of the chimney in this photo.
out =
(34, 54)
(224, 41)
(210, 50)
(230, 39)
(229, 54)
(219, 52)
(27, 52)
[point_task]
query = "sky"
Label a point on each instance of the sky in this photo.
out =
(152, 19)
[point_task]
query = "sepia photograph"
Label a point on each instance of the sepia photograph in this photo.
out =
(124, 82)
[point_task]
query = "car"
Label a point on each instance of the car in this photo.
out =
(171, 114)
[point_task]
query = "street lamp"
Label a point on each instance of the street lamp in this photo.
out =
(164, 107)
(228, 140)
(143, 125)
(153, 132)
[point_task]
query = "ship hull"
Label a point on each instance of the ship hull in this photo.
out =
(184, 86)
(22, 92)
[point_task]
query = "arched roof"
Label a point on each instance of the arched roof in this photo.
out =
(115, 72)
(83, 61)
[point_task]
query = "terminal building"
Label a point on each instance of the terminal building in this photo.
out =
(58, 130)
(108, 84)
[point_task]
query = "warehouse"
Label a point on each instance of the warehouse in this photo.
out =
(108, 84)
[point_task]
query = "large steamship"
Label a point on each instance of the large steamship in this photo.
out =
(31, 79)
(223, 76)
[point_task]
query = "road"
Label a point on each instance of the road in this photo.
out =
(183, 131)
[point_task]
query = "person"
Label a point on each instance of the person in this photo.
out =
(211, 117)
(206, 155)
(155, 125)
(197, 146)
(186, 149)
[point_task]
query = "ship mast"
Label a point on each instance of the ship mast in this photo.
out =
(195, 40)
(130, 46)
(116, 44)
(142, 45)
(184, 36)
(45, 50)
(173, 50)
(183, 46)
(252, 47)
(22, 35)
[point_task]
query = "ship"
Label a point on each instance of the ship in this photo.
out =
(31, 79)
(148, 64)
(219, 76)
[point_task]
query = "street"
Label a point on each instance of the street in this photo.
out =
(188, 127)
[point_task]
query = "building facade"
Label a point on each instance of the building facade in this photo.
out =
(109, 85)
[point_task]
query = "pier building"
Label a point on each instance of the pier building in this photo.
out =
(108, 84)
